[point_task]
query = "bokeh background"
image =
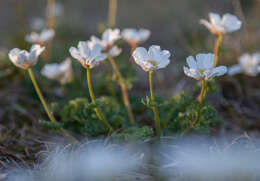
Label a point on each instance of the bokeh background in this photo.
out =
(174, 26)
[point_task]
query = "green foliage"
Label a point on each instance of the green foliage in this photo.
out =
(179, 112)
(134, 134)
(79, 116)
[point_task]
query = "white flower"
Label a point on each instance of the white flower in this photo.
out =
(61, 72)
(37, 23)
(134, 36)
(44, 36)
(217, 25)
(106, 42)
(88, 56)
(153, 59)
(25, 59)
(203, 67)
(249, 64)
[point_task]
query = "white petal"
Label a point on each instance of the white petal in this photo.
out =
(215, 18)
(245, 59)
(115, 51)
(154, 53)
(144, 34)
(37, 48)
(219, 71)
(96, 50)
(208, 25)
(231, 22)
(205, 61)
(75, 53)
(191, 73)
(47, 35)
(166, 54)
(13, 54)
(140, 54)
(235, 69)
(191, 62)
(83, 49)
(101, 57)
(163, 63)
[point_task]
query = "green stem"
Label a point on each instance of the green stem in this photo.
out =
(51, 117)
(155, 111)
(98, 112)
(46, 108)
(123, 89)
(112, 13)
(216, 49)
(200, 99)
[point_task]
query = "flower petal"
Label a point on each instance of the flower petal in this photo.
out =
(191, 62)
(235, 69)
(140, 54)
(75, 53)
(231, 22)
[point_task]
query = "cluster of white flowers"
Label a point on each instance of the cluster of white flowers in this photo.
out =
(44, 36)
(203, 67)
(248, 64)
(25, 59)
(61, 72)
(217, 25)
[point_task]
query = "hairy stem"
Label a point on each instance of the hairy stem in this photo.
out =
(45, 106)
(200, 99)
(155, 111)
(38, 91)
(98, 112)
(112, 13)
(216, 49)
(123, 88)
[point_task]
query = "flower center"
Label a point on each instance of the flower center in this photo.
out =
(201, 71)
(154, 63)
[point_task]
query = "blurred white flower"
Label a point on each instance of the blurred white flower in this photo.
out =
(248, 64)
(44, 36)
(153, 59)
(37, 23)
(25, 59)
(217, 25)
(204, 160)
(61, 72)
(88, 55)
(203, 67)
(134, 36)
(107, 41)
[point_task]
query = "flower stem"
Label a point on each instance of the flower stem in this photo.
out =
(216, 49)
(112, 13)
(46, 108)
(50, 13)
(123, 88)
(155, 111)
(200, 99)
(98, 112)
(51, 117)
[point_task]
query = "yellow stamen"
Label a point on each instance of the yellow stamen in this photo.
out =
(153, 62)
